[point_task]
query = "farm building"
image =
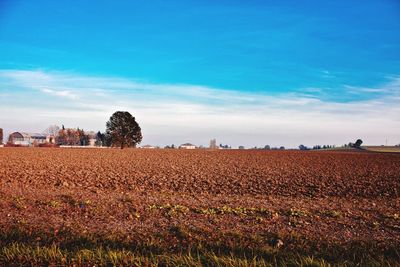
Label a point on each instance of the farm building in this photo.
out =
(92, 138)
(27, 139)
(187, 146)
(148, 147)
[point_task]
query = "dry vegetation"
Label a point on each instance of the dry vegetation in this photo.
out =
(174, 207)
(385, 149)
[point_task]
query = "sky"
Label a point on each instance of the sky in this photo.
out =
(247, 73)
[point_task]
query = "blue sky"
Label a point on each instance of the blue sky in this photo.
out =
(215, 63)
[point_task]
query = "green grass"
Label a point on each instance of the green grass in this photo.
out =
(29, 248)
(20, 254)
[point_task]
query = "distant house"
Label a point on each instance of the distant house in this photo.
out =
(187, 146)
(148, 147)
(27, 139)
(92, 136)
(50, 139)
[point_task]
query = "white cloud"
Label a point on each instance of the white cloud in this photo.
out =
(391, 88)
(61, 93)
(171, 113)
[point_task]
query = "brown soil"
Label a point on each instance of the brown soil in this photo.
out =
(175, 198)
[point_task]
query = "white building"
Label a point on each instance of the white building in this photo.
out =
(148, 147)
(187, 146)
(27, 139)
(92, 138)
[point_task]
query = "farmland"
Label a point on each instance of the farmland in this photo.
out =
(177, 207)
(387, 149)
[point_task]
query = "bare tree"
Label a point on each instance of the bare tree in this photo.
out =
(52, 130)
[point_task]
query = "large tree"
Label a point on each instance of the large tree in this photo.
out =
(358, 143)
(123, 130)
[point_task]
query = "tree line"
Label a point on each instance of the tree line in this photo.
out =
(357, 145)
(122, 131)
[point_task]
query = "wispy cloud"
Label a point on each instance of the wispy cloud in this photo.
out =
(61, 93)
(172, 113)
(391, 88)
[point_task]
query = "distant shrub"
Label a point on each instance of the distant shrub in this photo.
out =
(303, 147)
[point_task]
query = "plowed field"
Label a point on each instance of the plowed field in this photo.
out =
(270, 206)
